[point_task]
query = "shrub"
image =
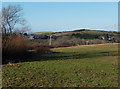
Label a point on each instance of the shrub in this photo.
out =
(38, 48)
(13, 47)
(42, 49)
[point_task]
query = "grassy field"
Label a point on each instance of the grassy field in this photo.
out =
(79, 66)
(96, 32)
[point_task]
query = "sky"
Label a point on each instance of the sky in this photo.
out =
(68, 16)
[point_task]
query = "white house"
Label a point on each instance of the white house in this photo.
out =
(102, 37)
(110, 38)
(30, 37)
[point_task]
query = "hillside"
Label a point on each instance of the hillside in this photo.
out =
(76, 37)
(78, 66)
(78, 31)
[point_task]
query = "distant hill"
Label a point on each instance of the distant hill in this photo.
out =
(78, 31)
(76, 37)
(82, 33)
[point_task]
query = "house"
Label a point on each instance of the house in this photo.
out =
(110, 38)
(102, 37)
(30, 37)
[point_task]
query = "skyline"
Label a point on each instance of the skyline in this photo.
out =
(68, 16)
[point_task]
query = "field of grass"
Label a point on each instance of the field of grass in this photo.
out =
(71, 32)
(78, 66)
(96, 32)
(38, 33)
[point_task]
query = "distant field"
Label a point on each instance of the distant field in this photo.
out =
(37, 33)
(97, 32)
(78, 66)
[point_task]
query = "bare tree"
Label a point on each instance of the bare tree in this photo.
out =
(10, 17)
(25, 26)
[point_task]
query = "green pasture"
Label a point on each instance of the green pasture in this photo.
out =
(78, 66)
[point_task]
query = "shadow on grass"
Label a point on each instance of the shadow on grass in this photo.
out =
(70, 55)
(31, 56)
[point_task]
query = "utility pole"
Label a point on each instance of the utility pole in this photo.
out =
(50, 40)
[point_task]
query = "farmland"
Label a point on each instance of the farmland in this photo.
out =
(76, 66)
(64, 45)
(76, 37)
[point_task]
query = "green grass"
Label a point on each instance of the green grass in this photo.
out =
(91, 32)
(80, 66)
(37, 33)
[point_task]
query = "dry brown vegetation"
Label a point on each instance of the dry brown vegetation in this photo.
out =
(16, 48)
(13, 47)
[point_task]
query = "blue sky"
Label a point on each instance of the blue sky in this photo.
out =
(67, 16)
